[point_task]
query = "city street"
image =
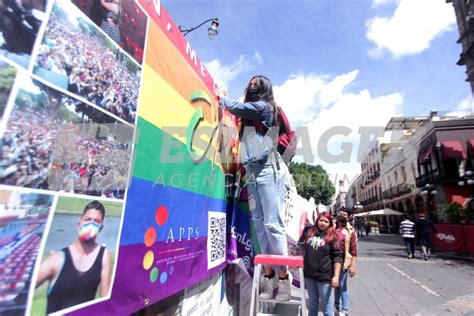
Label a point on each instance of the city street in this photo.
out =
(388, 283)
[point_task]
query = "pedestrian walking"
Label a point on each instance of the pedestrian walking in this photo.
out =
(322, 263)
(268, 177)
(407, 230)
(348, 245)
(424, 229)
(367, 228)
(360, 227)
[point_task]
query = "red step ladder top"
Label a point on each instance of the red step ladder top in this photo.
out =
(277, 260)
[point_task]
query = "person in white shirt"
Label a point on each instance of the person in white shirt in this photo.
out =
(407, 230)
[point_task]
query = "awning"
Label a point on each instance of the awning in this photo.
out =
(424, 155)
(453, 149)
(385, 211)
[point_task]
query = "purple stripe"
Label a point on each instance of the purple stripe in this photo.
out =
(132, 286)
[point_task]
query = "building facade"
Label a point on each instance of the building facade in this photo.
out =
(464, 10)
(371, 186)
(429, 165)
(399, 164)
(340, 200)
(446, 160)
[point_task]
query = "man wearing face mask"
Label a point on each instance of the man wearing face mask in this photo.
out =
(348, 245)
(77, 271)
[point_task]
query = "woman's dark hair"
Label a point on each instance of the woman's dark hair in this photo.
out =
(261, 90)
(95, 205)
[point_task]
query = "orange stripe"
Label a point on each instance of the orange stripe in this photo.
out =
(167, 61)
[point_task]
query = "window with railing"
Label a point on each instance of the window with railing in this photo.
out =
(413, 170)
(403, 174)
(434, 163)
(451, 165)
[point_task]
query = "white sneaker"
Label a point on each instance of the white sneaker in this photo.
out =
(284, 289)
(267, 287)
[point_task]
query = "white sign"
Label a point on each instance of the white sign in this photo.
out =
(446, 237)
(203, 298)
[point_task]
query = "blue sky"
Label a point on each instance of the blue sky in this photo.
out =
(334, 62)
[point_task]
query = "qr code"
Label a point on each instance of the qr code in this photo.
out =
(216, 239)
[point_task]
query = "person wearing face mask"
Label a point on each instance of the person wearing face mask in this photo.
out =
(348, 245)
(267, 174)
(322, 263)
(76, 272)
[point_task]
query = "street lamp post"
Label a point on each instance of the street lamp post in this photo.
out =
(358, 207)
(211, 31)
(430, 191)
(468, 179)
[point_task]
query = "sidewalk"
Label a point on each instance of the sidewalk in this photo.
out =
(396, 238)
(388, 283)
(453, 255)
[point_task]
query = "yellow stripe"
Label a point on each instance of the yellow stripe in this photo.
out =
(162, 106)
(164, 58)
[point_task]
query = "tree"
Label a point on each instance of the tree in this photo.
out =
(312, 181)
(7, 77)
(454, 211)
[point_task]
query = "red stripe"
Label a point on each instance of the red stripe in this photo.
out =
(175, 36)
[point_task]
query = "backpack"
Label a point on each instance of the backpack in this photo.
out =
(347, 241)
(286, 138)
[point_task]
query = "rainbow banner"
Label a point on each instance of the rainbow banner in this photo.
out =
(117, 164)
(173, 232)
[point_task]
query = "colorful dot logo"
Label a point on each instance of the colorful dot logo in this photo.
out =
(163, 277)
(149, 239)
(148, 259)
(150, 236)
(161, 215)
(154, 274)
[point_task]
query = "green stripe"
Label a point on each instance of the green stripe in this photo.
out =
(203, 178)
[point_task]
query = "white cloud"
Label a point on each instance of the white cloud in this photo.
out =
(302, 93)
(333, 90)
(297, 96)
(466, 106)
(414, 24)
(321, 102)
(378, 3)
(223, 74)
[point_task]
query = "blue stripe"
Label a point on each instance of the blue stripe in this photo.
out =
(186, 212)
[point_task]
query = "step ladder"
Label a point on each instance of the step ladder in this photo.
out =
(276, 260)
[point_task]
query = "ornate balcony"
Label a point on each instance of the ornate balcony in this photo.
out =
(436, 176)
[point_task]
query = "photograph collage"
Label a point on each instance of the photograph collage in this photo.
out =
(70, 75)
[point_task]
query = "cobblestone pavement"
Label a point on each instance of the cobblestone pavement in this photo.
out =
(388, 283)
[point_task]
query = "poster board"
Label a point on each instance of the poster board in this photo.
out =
(106, 104)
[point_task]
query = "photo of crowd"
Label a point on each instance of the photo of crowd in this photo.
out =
(20, 21)
(122, 20)
(55, 142)
(7, 78)
(76, 56)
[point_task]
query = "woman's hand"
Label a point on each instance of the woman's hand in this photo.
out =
(335, 281)
(352, 270)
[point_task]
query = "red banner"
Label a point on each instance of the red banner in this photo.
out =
(469, 238)
(449, 237)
